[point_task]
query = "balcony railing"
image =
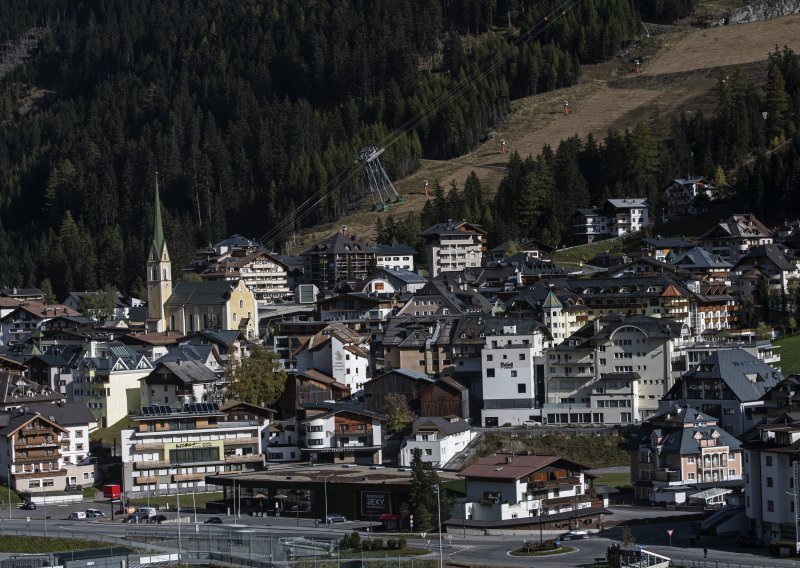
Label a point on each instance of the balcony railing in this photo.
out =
(667, 475)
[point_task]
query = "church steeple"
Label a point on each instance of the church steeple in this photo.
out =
(159, 272)
(158, 227)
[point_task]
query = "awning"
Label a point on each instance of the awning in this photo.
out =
(710, 494)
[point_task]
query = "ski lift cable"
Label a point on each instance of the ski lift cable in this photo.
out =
(392, 138)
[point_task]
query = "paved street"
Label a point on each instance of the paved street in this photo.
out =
(483, 550)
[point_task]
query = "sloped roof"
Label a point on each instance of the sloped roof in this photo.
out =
(16, 390)
(451, 228)
(188, 372)
(767, 254)
(212, 292)
(339, 244)
(736, 226)
(497, 466)
(16, 421)
(699, 257)
(64, 413)
(443, 425)
(747, 376)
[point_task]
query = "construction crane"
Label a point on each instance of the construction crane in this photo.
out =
(380, 186)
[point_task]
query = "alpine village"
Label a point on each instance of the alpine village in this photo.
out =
(453, 282)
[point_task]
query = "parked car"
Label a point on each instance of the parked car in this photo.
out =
(532, 423)
(135, 518)
(93, 513)
(158, 519)
(29, 506)
(77, 516)
(334, 518)
(749, 541)
(578, 533)
(213, 521)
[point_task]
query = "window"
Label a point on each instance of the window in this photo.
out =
(731, 473)
(490, 357)
(769, 482)
(428, 452)
(771, 506)
(690, 459)
(522, 356)
(490, 373)
(691, 476)
(234, 316)
(241, 304)
(521, 388)
(769, 460)
(513, 373)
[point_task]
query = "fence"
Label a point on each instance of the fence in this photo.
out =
(701, 563)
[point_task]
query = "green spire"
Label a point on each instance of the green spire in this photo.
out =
(158, 228)
(551, 301)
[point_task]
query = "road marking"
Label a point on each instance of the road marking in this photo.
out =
(459, 550)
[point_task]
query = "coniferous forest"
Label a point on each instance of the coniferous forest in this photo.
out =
(246, 108)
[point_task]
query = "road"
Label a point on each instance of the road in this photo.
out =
(477, 549)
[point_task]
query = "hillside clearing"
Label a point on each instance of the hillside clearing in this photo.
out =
(679, 76)
(790, 354)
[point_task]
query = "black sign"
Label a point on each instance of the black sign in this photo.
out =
(375, 503)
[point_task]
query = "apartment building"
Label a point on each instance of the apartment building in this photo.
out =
(453, 246)
(734, 237)
(337, 258)
(395, 257)
(616, 217)
(614, 370)
(171, 449)
(438, 440)
(679, 454)
(341, 433)
(263, 273)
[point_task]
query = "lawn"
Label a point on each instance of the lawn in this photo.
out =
(560, 550)
(200, 500)
(15, 498)
(572, 257)
(790, 354)
(618, 480)
(37, 544)
(112, 433)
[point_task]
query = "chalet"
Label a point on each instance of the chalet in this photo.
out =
(310, 387)
(734, 237)
(338, 352)
(664, 249)
(356, 306)
(688, 196)
(768, 263)
(18, 392)
(439, 297)
(527, 492)
(264, 274)
(527, 248)
(28, 316)
(419, 344)
(180, 382)
(336, 258)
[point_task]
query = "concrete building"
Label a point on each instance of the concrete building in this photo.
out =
(341, 433)
(614, 370)
(395, 257)
(175, 448)
(338, 352)
(337, 258)
(616, 217)
(513, 374)
(453, 246)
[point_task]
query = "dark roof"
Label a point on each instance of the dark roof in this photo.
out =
(404, 275)
(758, 256)
(737, 226)
(339, 244)
(188, 372)
(16, 390)
(384, 250)
(445, 426)
(64, 413)
(451, 228)
(498, 466)
(682, 431)
(201, 293)
(700, 258)
(13, 421)
(669, 242)
(747, 376)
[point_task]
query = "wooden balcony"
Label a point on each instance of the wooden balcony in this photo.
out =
(244, 459)
(40, 473)
(241, 441)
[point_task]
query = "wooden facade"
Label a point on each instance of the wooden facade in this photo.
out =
(445, 397)
(395, 382)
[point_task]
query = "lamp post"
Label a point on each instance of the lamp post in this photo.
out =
(178, 499)
(9, 492)
(541, 535)
(44, 496)
(325, 485)
(439, 518)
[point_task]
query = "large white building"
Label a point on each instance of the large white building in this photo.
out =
(512, 374)
(437, 439)
(614, 370)
(395, 257)
(772, 475)
(454, 246)
(615, 218)
(170, 448)
(338, 352)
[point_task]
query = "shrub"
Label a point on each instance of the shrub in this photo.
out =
(377, 544)
(366, 545)
(401, 543)
(345, 543)
(391, 544)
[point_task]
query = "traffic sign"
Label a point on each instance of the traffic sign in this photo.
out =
(669, 532)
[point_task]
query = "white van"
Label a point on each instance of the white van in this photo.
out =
(147, 512)
(76, 516)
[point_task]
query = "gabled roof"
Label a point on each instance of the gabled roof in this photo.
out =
(682, 431)
(16, 390)
(64, 413)
(669, 242)
(17, 420)
(321, 377)
(211, 292)
(765, 255)
(747, 376)
(153, 338)
(187, 372)
(339, 244)
(737, 226)
(404, 275)
(700, 258)
(452, 228)
(498, 466)
(442, 425)
(391, 250)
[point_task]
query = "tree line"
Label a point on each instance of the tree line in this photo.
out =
(246, 109)
(751, 134)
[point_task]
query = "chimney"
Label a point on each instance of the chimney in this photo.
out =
(509, 459)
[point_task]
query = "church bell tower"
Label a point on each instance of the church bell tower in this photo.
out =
(159, 274)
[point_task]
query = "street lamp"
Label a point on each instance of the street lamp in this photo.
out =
(178, 498)
(541, 536)
(9, 492)
(439, 515)
(325, 485)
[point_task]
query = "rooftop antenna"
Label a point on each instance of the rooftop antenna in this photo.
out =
(380, 186)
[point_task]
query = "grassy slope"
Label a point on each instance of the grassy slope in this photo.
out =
(38, 545)
(790, 354)
(593, 451)
(113, 432)
(678, 76)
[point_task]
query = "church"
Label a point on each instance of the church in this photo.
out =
(193, 306)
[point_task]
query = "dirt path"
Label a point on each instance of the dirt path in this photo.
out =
(679, 77)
